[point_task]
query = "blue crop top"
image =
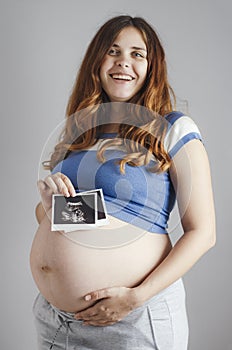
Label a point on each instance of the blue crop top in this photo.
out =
(139, 197)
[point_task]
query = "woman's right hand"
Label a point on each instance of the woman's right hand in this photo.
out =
(57, 183)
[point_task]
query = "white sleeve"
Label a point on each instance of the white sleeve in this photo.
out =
(181, 129)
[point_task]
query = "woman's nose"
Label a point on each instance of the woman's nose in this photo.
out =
(123, 62)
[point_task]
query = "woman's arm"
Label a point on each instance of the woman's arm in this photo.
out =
(190, 174)
(39, 212)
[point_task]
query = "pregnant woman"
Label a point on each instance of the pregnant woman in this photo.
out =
(119, 286)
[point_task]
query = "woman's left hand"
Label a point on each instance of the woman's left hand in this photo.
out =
(115, 304)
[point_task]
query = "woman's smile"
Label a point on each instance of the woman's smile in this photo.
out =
(121, 77)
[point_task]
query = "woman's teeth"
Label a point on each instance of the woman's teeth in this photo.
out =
(121, 77)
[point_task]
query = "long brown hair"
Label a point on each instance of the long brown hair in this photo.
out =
(87, 96)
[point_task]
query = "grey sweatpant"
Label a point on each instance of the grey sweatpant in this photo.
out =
(160, 323)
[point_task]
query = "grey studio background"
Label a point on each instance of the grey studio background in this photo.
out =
(42, 44)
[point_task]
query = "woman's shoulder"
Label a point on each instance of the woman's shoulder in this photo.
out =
(181, 128)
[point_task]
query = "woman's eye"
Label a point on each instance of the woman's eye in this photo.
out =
(112, 52)
(138, 54)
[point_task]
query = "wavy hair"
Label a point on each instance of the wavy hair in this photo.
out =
(87, 100)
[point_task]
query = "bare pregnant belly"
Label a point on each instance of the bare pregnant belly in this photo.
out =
(65, 268)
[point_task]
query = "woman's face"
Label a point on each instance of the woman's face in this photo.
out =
(124, 68)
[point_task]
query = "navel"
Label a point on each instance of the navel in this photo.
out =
(45, 268)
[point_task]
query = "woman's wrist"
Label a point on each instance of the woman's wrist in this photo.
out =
(140, 296)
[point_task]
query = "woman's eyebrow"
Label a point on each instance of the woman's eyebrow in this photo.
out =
(133, 47)
(138, 48)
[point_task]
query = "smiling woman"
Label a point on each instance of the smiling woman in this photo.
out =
(128, 296)
(124, 68)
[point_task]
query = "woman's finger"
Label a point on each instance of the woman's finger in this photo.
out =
(64, 184)
(69, 185)
(49, 181)
(61, 185)
(57, 183)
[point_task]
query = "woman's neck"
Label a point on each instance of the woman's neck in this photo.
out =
(114, 116)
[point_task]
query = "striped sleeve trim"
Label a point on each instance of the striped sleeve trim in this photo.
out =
(181, 130)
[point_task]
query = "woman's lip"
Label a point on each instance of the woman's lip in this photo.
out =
(122, 74)
(121, 81)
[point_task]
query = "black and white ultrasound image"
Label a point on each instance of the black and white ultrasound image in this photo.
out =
(75, 210)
